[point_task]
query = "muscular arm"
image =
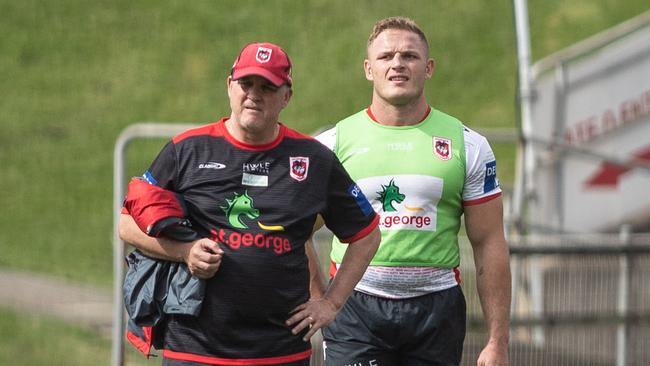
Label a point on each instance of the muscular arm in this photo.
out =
(203, 256)
(484, 225)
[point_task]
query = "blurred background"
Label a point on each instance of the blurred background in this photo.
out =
(74, 74)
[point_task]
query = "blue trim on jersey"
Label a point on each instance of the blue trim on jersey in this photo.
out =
(490, 176)
(361, 199)
(149, 178)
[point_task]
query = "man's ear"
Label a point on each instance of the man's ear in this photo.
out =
(287, 97)
(431, 66)
(229, 81)
(367, 69)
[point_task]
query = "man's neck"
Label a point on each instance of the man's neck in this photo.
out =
(398, 115)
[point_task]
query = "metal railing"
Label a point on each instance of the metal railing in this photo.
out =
(577, 300)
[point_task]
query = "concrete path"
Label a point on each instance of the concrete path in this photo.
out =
(40, 294)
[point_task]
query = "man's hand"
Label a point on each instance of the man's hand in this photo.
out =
(204, 258)
(317, 313)
(313, 314)
(493, 354)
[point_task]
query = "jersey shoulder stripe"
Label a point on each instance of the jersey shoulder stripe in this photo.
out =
(209, 130)
(293, 134)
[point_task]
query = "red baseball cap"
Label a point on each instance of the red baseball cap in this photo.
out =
(264, 59)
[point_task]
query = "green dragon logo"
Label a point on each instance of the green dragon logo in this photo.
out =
(240, 205)
(389, 194)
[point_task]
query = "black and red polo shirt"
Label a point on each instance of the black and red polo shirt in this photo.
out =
(260, 202)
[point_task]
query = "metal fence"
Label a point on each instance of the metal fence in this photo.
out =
(577, 300)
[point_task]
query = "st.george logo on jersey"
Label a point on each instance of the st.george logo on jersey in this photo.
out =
(263, 54)
(298, 167)
(442, 147)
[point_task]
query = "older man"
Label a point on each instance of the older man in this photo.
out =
(253, 189)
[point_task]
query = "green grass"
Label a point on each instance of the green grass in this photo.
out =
(75, 73)
(35, 340)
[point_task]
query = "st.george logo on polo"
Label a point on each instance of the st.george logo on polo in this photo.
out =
(263, 54)
(240, 205)
(442, 147)
(298, 167)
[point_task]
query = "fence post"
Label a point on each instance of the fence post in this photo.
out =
(623, 301)
(117, 346)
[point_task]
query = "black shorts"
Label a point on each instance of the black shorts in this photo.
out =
(374, 331)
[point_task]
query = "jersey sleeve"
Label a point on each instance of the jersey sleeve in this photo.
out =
(328, 138)
(481, 182)
(163, 171)
(348, 214)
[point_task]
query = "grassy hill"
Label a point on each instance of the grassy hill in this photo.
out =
(75, 73)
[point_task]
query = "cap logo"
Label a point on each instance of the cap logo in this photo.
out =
(263, 54)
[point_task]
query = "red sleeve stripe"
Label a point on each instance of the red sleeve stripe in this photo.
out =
(236, 361)
(481, 200)
(365, 231)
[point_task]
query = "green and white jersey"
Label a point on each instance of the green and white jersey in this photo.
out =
(418, 178)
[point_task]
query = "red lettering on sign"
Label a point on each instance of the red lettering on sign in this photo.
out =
(627, 111)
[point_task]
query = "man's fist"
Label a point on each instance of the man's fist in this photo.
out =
(204, 258)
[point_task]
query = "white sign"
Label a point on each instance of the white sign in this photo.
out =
(599, 104)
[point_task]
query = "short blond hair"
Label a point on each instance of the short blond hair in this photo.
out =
(401, 23)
